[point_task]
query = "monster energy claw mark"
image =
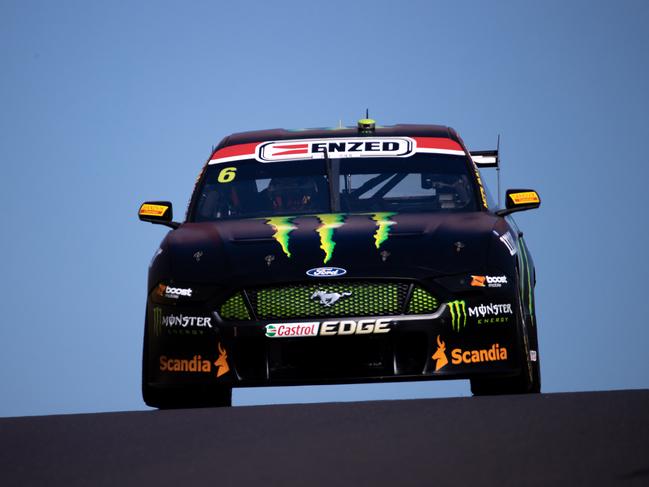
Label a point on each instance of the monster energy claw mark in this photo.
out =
(383, 224)
(458, 314)
(283, 226)
(157, 321)
(329, 222)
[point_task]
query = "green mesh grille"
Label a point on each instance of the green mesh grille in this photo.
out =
(360, 298)
(298, 301)
(235, 309)
(421, 302)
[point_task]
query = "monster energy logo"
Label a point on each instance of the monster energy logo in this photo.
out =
(283, 226)
(157, 321)
(458, 314)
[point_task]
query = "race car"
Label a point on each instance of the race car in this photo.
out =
(324, 256)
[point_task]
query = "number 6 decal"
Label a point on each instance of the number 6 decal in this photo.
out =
(227, 175)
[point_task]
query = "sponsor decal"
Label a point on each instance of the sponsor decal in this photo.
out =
(383, 224)
(179, 324)
(458, 314)
(485, 313)
(494, 354)
(326, 272)
(287, 150)
(478, 281)
(183, 321)
(533, 355)
(508, 240)
(221, 362)
(196, 364)
(328, 299)
(173, 292)
(329, 222)
(490, 309)
(328, 328)
(440, 355)
(525, 198)
(488, 281)
(459, 356)
(336, 148)
(153, 210)
(283, 226)
(292, 330)
(491, 313)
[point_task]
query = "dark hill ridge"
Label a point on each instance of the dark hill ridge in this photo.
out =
(594, 438)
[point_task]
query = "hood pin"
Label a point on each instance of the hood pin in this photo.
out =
(198, 255)
(384, 255)
(269, 259)
(459, 246)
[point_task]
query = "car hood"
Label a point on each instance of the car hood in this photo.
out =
(266, 250)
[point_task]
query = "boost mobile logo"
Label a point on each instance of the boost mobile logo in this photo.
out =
(283, 226)
(458, 314)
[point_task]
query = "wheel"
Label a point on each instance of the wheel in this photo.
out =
(528, 381)
(176, 397)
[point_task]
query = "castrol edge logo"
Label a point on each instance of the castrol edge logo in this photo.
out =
(335, 148)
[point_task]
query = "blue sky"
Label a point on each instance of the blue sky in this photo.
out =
(105, 105)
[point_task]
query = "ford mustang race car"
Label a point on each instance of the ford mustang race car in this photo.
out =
(344, 255)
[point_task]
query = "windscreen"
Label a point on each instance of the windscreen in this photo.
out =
(420, 183)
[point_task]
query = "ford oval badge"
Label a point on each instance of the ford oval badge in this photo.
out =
(326, 272)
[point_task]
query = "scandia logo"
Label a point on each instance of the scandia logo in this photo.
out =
(196, 364)
(458, 356)
(355, 147)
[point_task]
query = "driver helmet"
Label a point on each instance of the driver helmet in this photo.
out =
(292, 193)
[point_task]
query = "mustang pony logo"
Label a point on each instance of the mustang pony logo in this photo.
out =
(439, 355)
(327, 299)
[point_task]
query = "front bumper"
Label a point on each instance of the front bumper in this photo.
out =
(200, 348)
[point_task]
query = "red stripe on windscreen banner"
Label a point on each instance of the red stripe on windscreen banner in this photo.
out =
(235, 150)
(437, 143)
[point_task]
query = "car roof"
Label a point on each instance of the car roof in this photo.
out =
(403, 130)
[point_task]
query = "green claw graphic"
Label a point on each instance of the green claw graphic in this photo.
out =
(383, 224)
(283, 226)
(458, 314)
(329, 223)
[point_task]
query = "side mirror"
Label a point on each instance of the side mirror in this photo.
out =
(520, 200)
(160, 212)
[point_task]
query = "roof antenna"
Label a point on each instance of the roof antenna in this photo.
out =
(498, 167)
(366, 125)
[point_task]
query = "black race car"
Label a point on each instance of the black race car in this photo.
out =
(343, 255)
